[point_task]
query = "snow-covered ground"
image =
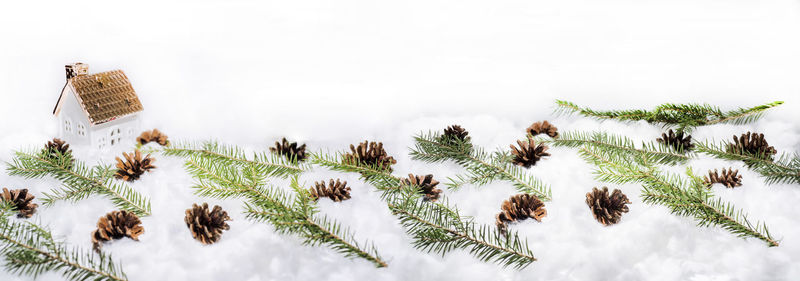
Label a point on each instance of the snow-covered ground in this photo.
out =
(332, 73)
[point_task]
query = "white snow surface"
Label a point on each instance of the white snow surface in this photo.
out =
(332, 73)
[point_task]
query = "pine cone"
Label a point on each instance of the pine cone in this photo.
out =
(426, 185)
(133, 166)
(371, 154)
(455, 132)
(290, 150)
(752, 144)
(336, 191)
(543, 127)
(116, 225)
(22, 201)
(153, 136)
(607, 209)
(519, 207)
(676, 141)
(730, 178)
(206, 226)
(528, 153)
(57, 147)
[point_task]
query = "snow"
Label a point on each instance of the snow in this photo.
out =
(332, 73)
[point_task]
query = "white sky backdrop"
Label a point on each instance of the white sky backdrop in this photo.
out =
(332, 73)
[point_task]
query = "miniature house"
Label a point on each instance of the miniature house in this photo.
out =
(99, 109)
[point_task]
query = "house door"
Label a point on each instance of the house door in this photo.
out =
(115, 135)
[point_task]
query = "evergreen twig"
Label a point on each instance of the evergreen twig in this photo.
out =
(436, 226)
(78, 181)
(290, 214)
(685, 197)
(482, 168)
(657, 152)
(684, 117)
(31, 250)
(785, 169)
(269, 164)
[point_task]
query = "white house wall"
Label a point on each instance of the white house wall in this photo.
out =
(128, 127)
(73, 122)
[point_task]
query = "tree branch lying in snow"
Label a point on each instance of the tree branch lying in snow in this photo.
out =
(481, 167)
(435, 226)
(31, 250)
(684, 117)
(623, 163)
(269, 164)
(786, 169)
(79, 181)
(656, 152)
(238, 177)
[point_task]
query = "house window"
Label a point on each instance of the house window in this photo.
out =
(101, 143)
(115, 136)
(67, 126)
(81, 130)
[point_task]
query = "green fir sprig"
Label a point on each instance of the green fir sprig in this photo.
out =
(656, 152)
(684, 117)
(435, 226)
(30, 250)
(267, 163)
(290, 214)
(78, 181)
(685, 196)
(784, 169)
(481, 167)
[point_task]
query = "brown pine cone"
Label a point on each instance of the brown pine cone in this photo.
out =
(528, 153)
(676, 141)
(730, 178)
(371, 154)
(57, 147)
(426, 185)
(753, 144)
(206, 226)
(22, 201)
(607, 209)
(336, 191)
(290, 150)
(133, 166)
(116, 225)
(455, 132)
(519, 207)
(153, 136)
(543, 127)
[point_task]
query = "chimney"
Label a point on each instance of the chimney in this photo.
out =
(76, 69)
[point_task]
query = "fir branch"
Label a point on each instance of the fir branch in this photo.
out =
(31, 250)
(657, 152)
(78, 181)
(269, 164)
(289, 214)
(785, 169)
(436, 226)
(684, 197)
(482, 168)
(681, 116)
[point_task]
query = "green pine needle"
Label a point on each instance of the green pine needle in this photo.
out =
(78, 181)
(482, 168)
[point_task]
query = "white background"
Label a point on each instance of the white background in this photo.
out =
(331, 73)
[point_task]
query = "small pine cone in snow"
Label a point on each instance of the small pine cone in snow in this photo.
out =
(371, 154)
(455, 132)
(543, 127)
(607, 209)
(57, 147)
(528, 153)
(730, 178)
(153, 136)
(519, 207)
(676, 141)
(206, 226)
(290, 150)
(116, 225)
(21, 200)
(425, 184)
(133, 166)
(753, 144)
(336, 191)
